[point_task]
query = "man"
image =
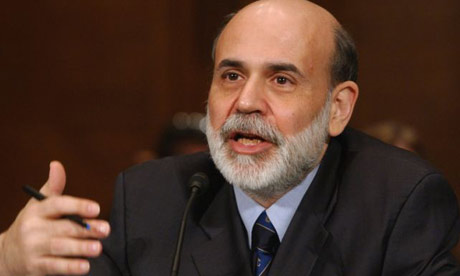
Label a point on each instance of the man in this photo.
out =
(307, 196)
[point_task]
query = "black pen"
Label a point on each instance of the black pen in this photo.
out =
(39, 196)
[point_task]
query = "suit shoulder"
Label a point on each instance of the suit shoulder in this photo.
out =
(164, 173)
(169, 165)
(378, 154)
(382, 166)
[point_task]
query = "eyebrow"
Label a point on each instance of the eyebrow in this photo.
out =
(276, 67)
(282, 66)
(230, 63)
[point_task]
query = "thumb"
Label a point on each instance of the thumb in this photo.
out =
(56, 180)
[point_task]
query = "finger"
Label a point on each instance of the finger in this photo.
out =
(61, 266)
(71, 247)
(99, 229)
(57, 206)
(56, 180)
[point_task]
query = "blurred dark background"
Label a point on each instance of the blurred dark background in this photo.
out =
(91, 82)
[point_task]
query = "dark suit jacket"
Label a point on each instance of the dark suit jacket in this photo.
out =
(372, 209)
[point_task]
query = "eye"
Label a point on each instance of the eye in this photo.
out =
(281, 80)
(231, 76)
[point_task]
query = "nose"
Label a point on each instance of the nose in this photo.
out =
(251, 98)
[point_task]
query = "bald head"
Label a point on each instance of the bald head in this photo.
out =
(318, 30)
(301, 11)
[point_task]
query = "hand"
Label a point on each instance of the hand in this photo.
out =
(40, 242)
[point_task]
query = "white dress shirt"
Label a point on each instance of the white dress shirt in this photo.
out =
(280, 212)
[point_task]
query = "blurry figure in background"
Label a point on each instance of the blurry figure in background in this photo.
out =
(143, 155)
(184, 135)
(396, 134)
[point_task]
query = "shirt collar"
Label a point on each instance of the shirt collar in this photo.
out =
(280, 212)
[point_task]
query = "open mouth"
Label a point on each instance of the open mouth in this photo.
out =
(249, 143)
(248, 139)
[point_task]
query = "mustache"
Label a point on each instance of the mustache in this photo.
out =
(252, 124)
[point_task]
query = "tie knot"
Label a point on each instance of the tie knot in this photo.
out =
(264, 236)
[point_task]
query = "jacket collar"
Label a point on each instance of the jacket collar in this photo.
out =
(306, 235)
(226, 252)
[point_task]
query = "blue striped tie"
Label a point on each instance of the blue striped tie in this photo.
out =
(265, 242)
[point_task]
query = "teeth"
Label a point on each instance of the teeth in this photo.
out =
(249, 142)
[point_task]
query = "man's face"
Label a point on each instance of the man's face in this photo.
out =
(269, 66)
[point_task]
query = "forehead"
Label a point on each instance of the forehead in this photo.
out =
(270, 34)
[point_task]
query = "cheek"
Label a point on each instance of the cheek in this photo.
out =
(291, 122)
(294, 118)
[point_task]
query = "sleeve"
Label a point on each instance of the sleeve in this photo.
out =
(425, 231)
(113, 259)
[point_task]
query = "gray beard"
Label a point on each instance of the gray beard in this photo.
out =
(275, 172)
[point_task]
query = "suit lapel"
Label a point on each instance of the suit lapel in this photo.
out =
(226, 252)
(307, 243)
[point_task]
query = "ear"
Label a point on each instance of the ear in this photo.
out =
(343, 101)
